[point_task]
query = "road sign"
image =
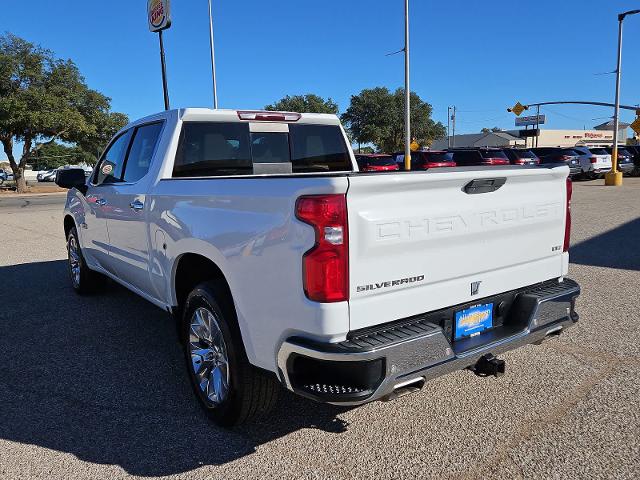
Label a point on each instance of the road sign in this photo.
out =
(636, 125)
(531, 120)
(518, 108)
(414, 146)
(158, 14)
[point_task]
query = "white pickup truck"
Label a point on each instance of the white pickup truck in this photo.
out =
(282, 263)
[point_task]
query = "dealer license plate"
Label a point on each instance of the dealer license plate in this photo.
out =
(474, 320)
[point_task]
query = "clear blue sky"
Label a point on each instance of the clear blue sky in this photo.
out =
(479, 56)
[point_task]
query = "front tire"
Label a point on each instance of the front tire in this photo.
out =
(83, 280)
(230, 390)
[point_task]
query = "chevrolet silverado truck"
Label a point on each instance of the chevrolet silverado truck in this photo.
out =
(282, 264)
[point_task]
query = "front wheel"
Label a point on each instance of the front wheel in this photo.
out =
(83, 279)
(230, 390)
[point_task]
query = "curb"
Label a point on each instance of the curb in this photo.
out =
(29, 195)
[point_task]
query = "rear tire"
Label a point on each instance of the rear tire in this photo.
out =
(83, 279)
(229, 389)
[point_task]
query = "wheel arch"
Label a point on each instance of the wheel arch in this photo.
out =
(193, 268)
(69, 223)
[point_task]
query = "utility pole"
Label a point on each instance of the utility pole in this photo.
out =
(407, 92)
(614, 178)
(537, 127)
(213, 57)
(453, 125)
(448, 127)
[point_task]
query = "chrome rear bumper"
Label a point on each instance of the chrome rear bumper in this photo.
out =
(373, 366)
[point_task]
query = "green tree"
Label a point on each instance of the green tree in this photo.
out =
(43, 99)
(309, 103)
(377, 116)
(489, 130)
(54, 155)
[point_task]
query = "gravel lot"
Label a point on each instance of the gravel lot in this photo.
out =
(95, 387)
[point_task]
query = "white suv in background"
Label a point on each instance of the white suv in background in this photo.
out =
(595, 162)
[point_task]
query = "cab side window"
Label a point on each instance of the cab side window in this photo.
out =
(112, 162)
(140, 155)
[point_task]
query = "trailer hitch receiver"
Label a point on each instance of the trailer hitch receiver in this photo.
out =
(489, 365)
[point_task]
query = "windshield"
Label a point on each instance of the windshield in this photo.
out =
(493, 154)
(438, 156)
(570, 152)
(599, 151)
(525, 154)
(382, 161)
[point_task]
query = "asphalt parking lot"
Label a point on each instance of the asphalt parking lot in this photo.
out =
(94, 387)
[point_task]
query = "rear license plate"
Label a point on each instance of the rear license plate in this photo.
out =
(474, 320)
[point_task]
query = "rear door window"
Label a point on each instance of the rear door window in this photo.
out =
(141, 153)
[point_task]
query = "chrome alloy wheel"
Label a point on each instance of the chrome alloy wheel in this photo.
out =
(209, 358)
(74, 260)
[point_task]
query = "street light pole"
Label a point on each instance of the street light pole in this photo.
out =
(448, 127)
(407, 92)
(213, 57)
(614, 178)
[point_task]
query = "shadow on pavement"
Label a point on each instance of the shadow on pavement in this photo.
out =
(102, 378)
(616, 248)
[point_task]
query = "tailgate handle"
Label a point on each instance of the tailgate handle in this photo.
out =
(484, 185)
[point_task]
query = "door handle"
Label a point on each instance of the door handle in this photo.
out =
(136, 205)
(101, 201)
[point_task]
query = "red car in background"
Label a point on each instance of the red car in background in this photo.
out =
(376, 162)
(424, 160)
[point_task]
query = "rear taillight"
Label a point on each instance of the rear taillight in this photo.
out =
(325, 268)
(593, 160)
(495, 161)
(567, 223)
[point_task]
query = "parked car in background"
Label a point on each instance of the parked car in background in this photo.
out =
(424, 160)
(479, 156)
(376, 162)
(560, 155)
(47, 175)
(521, 156)
(5, 176)
(625, 159)
(634, 150)
(595, 162)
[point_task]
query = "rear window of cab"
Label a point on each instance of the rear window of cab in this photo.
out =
(229, 148)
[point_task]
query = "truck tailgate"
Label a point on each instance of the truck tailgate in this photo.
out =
(419, 242)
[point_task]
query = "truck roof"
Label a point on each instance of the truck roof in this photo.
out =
(228, 115)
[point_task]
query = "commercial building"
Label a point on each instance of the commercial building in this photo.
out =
(600, 135)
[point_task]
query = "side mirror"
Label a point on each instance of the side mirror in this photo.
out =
(72, 178)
